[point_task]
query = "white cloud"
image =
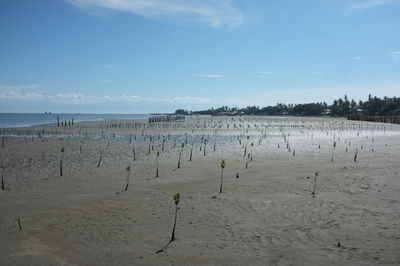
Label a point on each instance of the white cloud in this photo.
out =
(208, 75)
(81, 99)
(219, 14)
(265, 72)
(14, 94)
(363, 5)
(395, 55)
(317, 73)
(18, 87)
(198, 101)
(358, 57)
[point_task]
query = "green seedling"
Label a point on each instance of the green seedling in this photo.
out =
(222, 174)
(128, 170)
(176, 201)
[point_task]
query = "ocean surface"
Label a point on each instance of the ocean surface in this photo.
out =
(27, 120)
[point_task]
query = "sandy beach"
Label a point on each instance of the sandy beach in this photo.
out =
(266, 214)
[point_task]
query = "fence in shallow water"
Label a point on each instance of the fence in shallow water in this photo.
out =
(379, 119)
(166, 118)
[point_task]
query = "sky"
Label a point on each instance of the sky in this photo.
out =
(146, 56)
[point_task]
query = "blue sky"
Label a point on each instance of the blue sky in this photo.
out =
(140, 56)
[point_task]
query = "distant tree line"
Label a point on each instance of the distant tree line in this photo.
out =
(374, 106)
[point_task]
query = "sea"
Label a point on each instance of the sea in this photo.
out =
(32, 119)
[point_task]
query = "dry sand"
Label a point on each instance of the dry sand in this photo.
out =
(267, 216)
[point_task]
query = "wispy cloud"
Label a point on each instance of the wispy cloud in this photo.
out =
(208, 75)
(18, 87)
(66, 98)
(359, 58)
(395, 55)
(318, 73)
(218, 14)
(265, 72)
(363, 5)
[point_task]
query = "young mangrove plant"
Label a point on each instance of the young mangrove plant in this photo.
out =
(222, 174)
(176, 201)
(128, 170)
(191, 153)
(158, 155)
(247, 161)
(2, 178)
(180, 155)
(315, 184)
(355, 155)
(251, 151)
(101, 154)
(333, 151)
(61, 160)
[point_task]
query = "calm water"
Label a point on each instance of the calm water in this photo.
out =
(26, 120)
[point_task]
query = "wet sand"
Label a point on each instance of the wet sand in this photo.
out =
(267, 216)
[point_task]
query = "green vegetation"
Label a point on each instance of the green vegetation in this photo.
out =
(374, 106)
(176, 201)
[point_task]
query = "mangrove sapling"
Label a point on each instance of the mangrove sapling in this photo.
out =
(19, 225)
(315, 184)
(333, 151)
(61, 160)
(251, 151)
(128, 170)
(191, 153)
(176, 201)
(2, 178)
(101, 154)
(248, 160)
(222, 174)
(180, 155)
(355, 155)
(158, 155)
